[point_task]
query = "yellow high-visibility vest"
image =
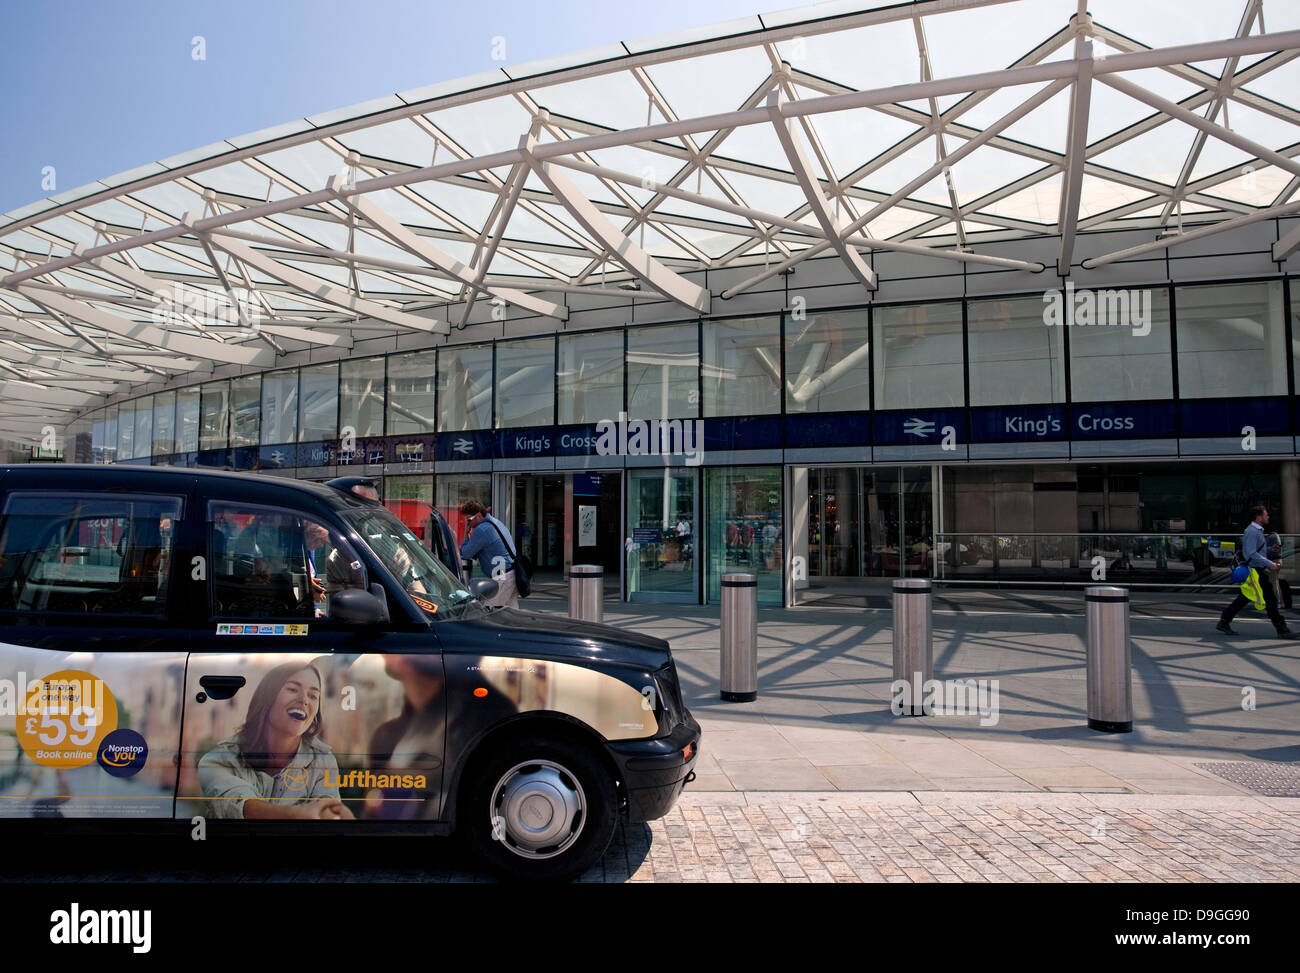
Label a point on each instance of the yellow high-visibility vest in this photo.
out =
(1251, 589)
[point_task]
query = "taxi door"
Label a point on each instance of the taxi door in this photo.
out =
(290, 714)
(93, 642)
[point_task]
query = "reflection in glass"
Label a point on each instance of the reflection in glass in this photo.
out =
(318, 403)
(919, 356)
(590, 377)
(743, 518)
(742, 367)
(164, 424)
(827, 362)
(214, 415)
(1015, 358)
(125, 431)
(411, 386)
(143, 426)
(526, 382)
(187, 420)
(1120, 363)
(465, 388)
(245, 410)
(280, 407)
(1231, 340)
(663, 372)
(361, 396)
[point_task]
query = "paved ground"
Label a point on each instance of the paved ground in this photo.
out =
(817, 781)
(822, 721)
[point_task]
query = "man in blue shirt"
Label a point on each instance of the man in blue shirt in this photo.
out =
(487, 544)
(1254, 547)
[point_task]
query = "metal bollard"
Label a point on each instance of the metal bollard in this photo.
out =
(587, 592)
(913, 640)
(1110, 660)
(739, 682)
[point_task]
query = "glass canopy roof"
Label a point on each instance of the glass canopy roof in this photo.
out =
(837, 130)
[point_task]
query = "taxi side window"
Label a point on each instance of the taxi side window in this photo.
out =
(270, 563)
(109, 555)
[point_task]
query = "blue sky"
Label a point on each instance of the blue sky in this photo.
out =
(97, 88)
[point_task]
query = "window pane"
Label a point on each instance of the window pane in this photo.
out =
(318, 400)
(1122, 363)
(361, 396)
(465, 388)
(245, 410)
(1015, 357)
(279, 407)
(742, 515)
(918, 357)
(411, 383)
(276, 564)
(1231, 341)
(104, 554)
(164, 423)
(526, 383)
(663, 372)
(214, 415)
(827, 362)
(742, 367)
(125, 431)
(98, 428)
(144, 426)
(187, 420)
(591, 377)
(110, 433)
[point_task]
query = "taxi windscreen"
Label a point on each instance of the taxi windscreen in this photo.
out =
(423, 576)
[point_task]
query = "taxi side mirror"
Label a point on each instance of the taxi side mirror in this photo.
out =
(483, 588)
(352, 606)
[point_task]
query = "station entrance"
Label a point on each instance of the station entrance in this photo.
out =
(561, 519)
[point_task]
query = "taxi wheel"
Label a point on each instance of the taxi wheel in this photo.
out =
(541, 809)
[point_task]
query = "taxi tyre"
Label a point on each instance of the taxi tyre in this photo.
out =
(550, 775)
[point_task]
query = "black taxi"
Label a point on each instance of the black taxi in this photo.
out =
(256, 652)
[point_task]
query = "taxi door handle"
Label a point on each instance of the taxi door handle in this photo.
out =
(222, 687)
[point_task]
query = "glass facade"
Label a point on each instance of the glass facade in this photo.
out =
(411, 388)
(828, 363)
(465, 388)
(187, 420)
(143, 440)
(918, 357)
(663, 372)
(361, 397)
(126, 431)
(741, 369)
(164, 423)
(525, 391)
(1128, 361)
(318, 403)
(214, 415)
(1231, 341)
(245, 410)
(589, 378)
(742, 517)
(280, 407)
(1014, 358)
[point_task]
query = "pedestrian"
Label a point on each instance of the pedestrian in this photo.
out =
(486, 543)
(1254, 547)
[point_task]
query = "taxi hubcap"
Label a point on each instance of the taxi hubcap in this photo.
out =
(538, 809)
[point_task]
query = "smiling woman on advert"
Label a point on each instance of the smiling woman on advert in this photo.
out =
(276, 766)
